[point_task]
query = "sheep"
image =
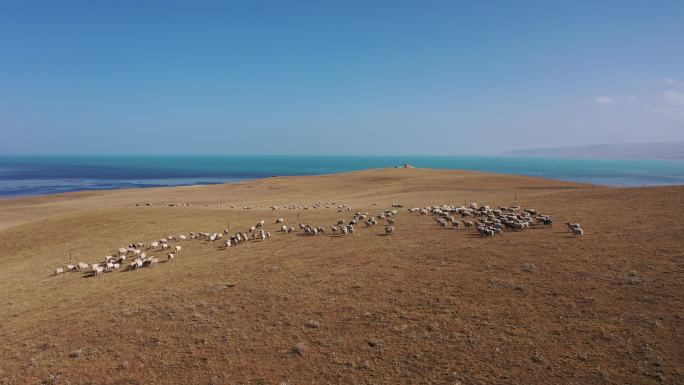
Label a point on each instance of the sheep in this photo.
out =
(82, 266)
(170, 256)
(70, 267)
(151, 261)
(229, 242)
(456, 224)
(572, 226)
(279, 220)
(59, 270)
(178, 248)
(182, 237)
(137, 263)
(154, 245)
(577, 232)
(546, 221)
(283, 229)
(96, 270)
(121, 259)
(122, 250)
(468, 224)
(333, 229)
(389, 230)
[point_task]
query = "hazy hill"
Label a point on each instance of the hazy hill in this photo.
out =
(674, 150)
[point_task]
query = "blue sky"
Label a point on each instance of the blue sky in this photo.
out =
(346, 77)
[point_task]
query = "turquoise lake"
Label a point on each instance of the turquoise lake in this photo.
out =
(33, 175)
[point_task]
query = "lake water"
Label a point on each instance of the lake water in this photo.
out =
(34, 175)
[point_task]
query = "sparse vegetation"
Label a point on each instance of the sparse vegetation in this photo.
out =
(431, 305)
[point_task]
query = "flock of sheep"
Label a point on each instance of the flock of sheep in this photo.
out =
(489, 221)
(316, 205)
(486, 221)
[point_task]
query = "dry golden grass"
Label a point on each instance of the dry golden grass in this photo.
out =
(427, 305)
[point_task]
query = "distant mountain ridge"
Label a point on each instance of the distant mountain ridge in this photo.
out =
(671, 151)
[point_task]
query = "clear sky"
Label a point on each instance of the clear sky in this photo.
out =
(344, 77)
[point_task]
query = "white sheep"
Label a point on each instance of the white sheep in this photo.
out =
(577, 232)
(59, 270)
(389, 230)
(96, 270)
(170, 256)
(151, 261)
(137, 263)
(178, 248)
